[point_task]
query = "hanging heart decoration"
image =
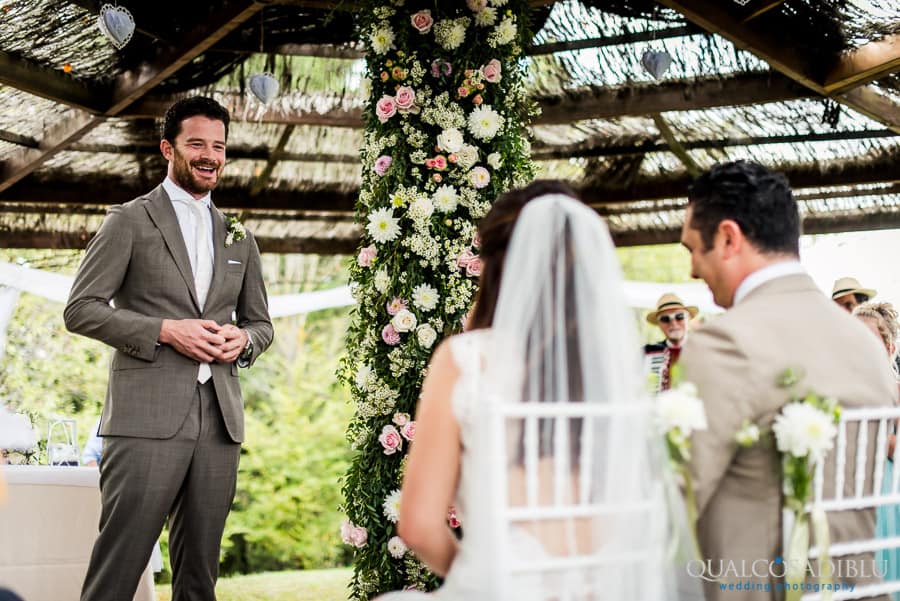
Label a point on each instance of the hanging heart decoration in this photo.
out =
(264, 86)
(116, 23)
(656, 62)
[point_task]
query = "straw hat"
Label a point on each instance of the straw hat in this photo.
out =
(670, 301)
(845, 286)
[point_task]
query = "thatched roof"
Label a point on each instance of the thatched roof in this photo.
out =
(809, 87)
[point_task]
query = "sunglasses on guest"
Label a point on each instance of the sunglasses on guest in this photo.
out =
(675, 316)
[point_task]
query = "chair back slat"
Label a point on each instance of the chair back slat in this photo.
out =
(531, 461)
(585, 469)
(862, 444)
(841, 457)
(881, 451)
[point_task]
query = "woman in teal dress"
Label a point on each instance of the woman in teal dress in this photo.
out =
(881, 318)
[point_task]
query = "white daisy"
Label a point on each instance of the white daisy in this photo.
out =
(391, 506)
(504, 33)
(383, 226)
(445, 199)
(382, 39)
(485, 122)
(396, 547)
(425, 297)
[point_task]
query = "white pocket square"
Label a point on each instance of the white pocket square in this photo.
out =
(233, 262)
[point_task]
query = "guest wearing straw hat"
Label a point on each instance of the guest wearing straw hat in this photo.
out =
(672, 317)
(848, 293)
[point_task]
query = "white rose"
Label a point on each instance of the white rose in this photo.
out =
(426, 335)
(450, 140)
(494, 160)
(404, 321)
(468, 156)
(680, 408)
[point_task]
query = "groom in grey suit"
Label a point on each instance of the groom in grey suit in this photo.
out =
(742, 229)
(188, 308)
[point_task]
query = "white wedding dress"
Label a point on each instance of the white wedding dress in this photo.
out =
(563, 493)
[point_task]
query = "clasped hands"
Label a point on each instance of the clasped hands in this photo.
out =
(204, 339)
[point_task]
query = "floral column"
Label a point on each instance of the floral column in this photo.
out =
(444, 137)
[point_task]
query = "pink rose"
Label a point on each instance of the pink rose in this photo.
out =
(492, 71)
(453, 157)
(463, 91)
(440, 162)
(385, 108)
(464, 258)
(477, 100)
(422, 21)
(473, 269)
(359, 536)
(401, 419)
(429, 163)
(396, 305)
(439, 68)
(476, 6)
(405, 98)
(390, 335)
(382, 164)
(366, 256)
(346, 529)
(390, 440)
(408, 431)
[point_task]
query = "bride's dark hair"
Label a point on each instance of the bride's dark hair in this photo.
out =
(495, 231)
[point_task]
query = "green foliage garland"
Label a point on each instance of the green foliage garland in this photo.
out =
(444, 137)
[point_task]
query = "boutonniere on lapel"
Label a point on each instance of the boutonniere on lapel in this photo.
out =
(234, 231)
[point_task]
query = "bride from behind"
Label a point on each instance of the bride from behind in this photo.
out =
(534, 425)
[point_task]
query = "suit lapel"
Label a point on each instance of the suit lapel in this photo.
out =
(163, 215)
(218, 224)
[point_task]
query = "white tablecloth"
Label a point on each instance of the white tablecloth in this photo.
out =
(47, 528)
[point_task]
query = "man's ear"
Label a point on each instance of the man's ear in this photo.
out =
(167, 150)
(730, 236)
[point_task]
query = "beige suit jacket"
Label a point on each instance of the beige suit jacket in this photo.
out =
(735, 360)
(139, 260)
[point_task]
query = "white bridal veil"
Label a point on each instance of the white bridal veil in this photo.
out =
(575, 495)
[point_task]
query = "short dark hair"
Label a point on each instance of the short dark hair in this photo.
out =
(495, 232)
(191, 107)
(758, 199)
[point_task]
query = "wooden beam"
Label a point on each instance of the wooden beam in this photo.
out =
(51, 84)
(18, 139)
(852, 70)
(864, 64)
(262, 180)
(874, 105)
(675, 146)
(598, 103)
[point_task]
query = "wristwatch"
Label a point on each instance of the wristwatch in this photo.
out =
(243, 359)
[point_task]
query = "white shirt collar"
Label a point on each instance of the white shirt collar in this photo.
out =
(767, 273)
(176, 192)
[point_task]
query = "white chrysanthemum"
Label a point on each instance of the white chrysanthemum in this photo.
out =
(396, 547)
(381, 281)
(494, 160)
(404, 321)
(485, 122)
(504, 33)
(421, 209)
(425, 297)
(801, 429)
(391, 506)
(445, 199)
(363, 376)
(383, 226)
(680, 408)
(450, 140)
(486, 17)
(426, 335)
(382, 39)
(450, 34)
(479, 177)
(468, 156)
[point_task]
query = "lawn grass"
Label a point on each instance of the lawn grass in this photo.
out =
(304, 585)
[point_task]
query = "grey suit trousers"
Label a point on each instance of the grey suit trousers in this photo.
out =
(190, 478)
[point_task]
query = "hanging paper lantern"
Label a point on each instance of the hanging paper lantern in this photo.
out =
(656, 62)
(116, 23)
(264, 86)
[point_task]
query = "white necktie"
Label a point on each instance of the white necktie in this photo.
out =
(203, 268)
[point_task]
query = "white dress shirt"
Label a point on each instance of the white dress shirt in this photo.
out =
(187, 219)
(767, 273)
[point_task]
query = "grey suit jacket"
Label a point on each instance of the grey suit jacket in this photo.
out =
(735, 360)
(138, 260)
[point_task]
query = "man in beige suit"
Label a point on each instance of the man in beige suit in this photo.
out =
(742, 229)
(189, 308)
